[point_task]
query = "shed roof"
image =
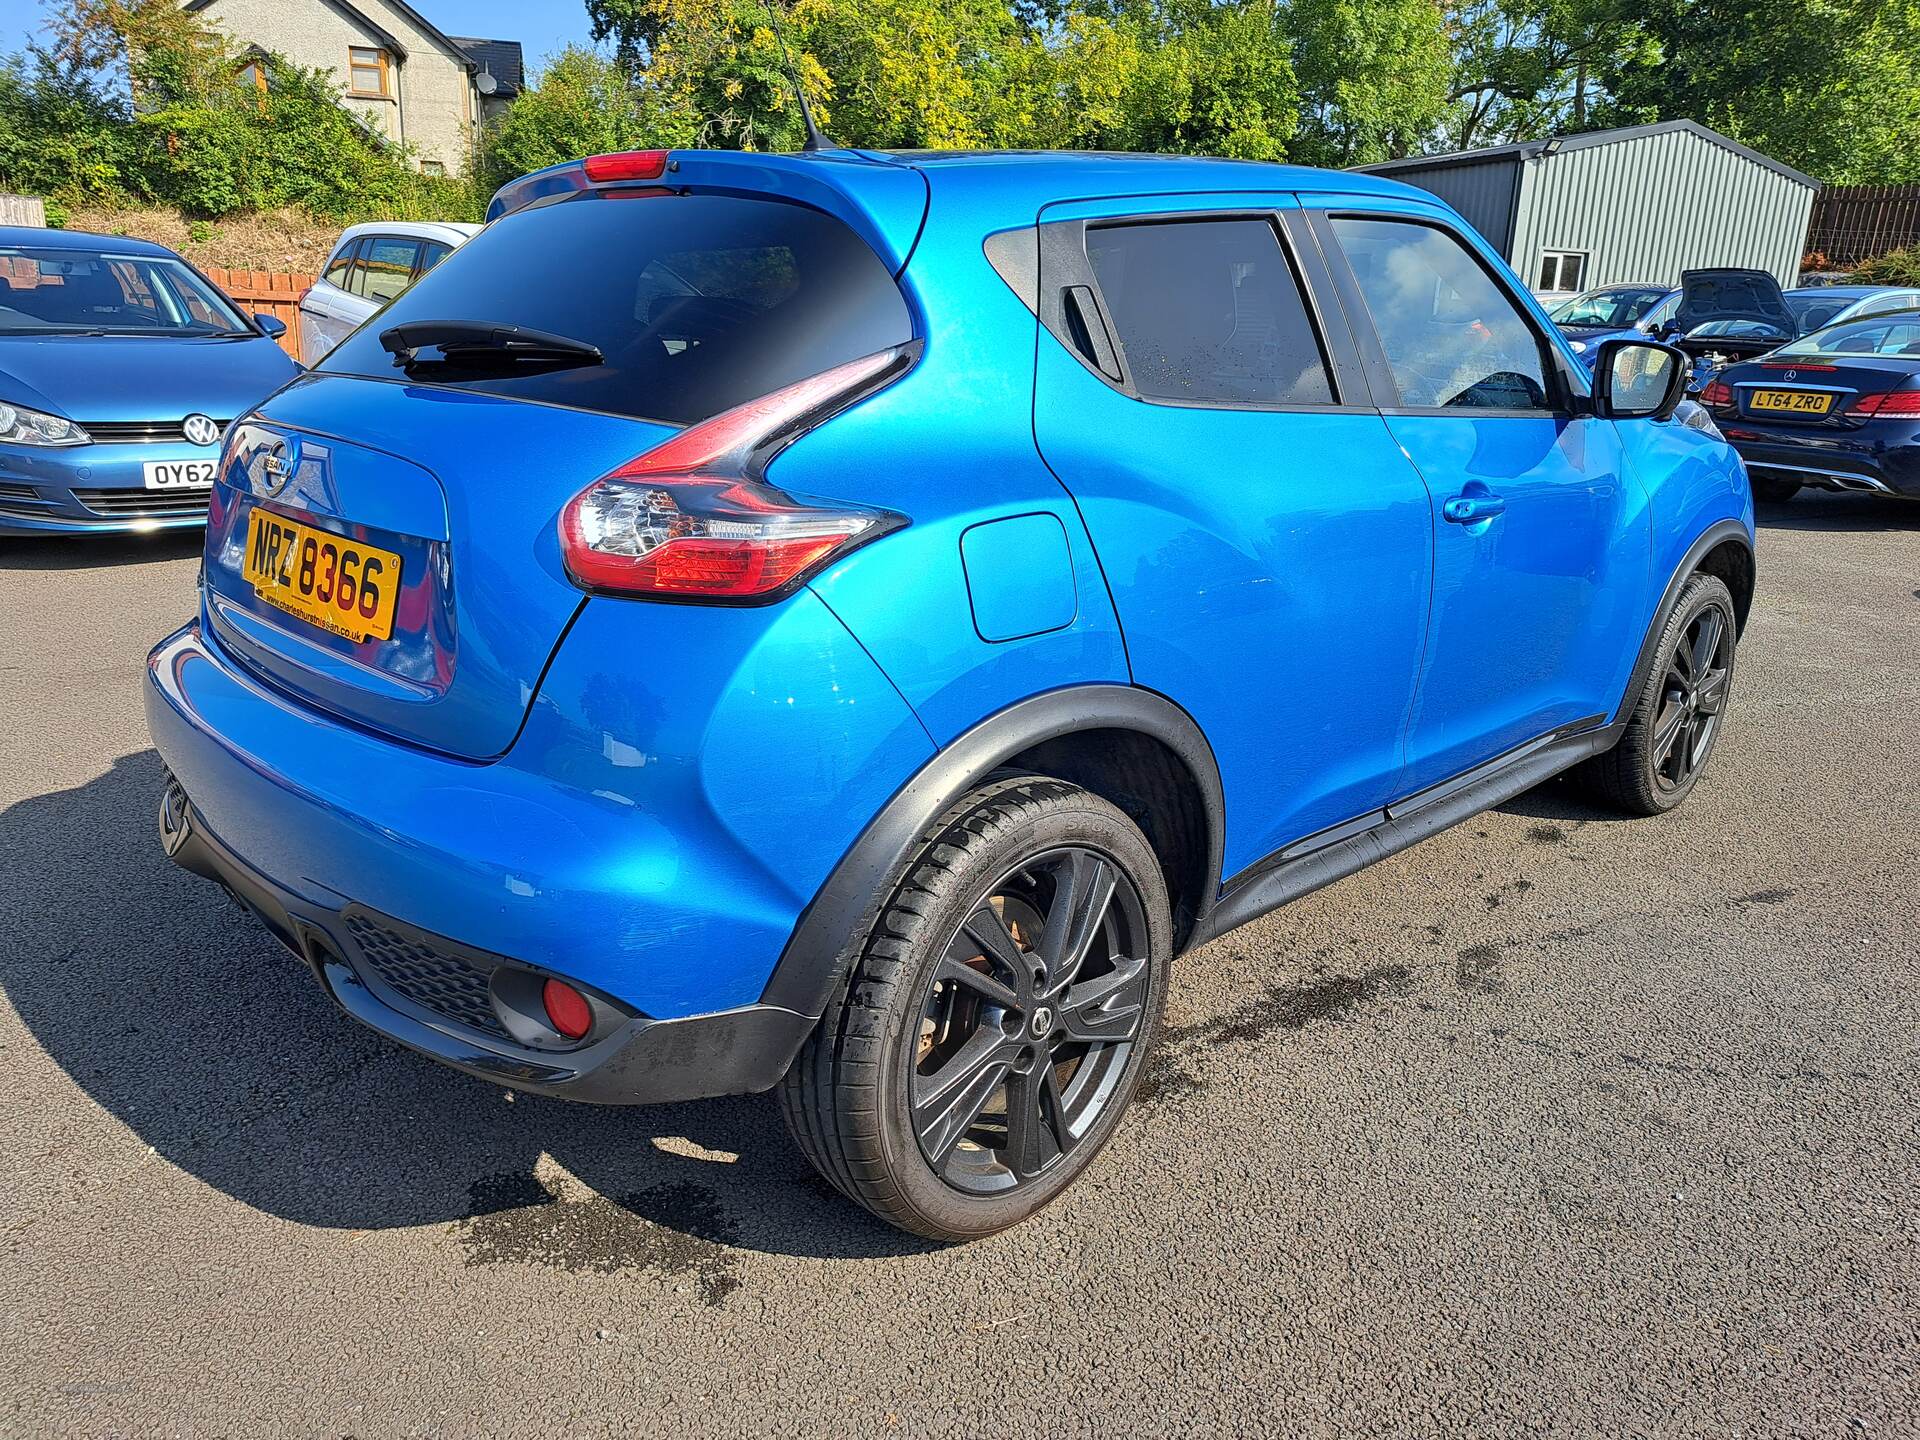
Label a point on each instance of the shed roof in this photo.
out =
(1533, 149)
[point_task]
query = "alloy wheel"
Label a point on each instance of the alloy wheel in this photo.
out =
(1029, 1020)
(1693, 696)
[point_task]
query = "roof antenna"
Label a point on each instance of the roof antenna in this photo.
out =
(815, 139)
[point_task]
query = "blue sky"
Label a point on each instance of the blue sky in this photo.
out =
(542, 26)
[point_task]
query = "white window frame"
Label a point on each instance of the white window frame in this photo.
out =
(1558, 260)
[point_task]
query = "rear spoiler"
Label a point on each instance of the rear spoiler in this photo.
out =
(883, 199)
(622, 168)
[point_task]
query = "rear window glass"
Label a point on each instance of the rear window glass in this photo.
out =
(696, 302)
(1209, 312)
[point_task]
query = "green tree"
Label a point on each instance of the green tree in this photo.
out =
(1829, 86)
(582, 103)
(1374, 77)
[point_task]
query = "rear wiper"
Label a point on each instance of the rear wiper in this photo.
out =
(480, 342)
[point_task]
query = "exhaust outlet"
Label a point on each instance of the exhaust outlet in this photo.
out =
(177, 834)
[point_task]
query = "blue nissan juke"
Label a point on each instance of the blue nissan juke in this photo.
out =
(845, 622)
(120, 366)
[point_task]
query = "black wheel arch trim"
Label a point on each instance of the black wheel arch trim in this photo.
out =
(1711, 539)
(836, 922)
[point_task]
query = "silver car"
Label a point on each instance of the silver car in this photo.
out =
(371, 264)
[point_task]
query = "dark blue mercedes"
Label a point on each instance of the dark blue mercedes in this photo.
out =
(120, 367)
(1838, 410)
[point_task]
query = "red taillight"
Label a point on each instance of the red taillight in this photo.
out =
(1717, 396)
(694, 519)
(567, 1009)
(1880, 407)
(301, 298)
(626, 165)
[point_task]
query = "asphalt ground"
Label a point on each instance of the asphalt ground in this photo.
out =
(1555, 1123)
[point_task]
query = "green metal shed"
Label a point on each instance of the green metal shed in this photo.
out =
(1622, 207)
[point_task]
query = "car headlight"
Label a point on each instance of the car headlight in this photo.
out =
(1694, 416)
(21, 426)
(1579, 346)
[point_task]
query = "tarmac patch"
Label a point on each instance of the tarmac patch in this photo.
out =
(673, 1230)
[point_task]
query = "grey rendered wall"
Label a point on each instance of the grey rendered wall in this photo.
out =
(1646, 209)
(1481, 191)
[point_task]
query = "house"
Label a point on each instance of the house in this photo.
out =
(1624, 207)
(407, 79)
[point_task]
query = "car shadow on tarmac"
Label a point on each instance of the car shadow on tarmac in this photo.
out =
(1830, 510)
(176, 1011)
(80, 552)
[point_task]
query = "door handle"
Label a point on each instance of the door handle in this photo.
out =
(1472, 509)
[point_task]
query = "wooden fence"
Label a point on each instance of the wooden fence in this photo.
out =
(1852, 223)
(267, 292)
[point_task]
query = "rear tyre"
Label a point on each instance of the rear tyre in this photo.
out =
(1773, 492)
(1676, 720)
(996, 1020)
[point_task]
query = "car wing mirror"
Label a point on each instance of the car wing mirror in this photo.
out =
(271, 326)
(1638, 380)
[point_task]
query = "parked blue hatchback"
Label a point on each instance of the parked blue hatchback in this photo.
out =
(120, 366)
(845, 622)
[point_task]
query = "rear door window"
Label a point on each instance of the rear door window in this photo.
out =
(432, 252)
(385, 267)
(696, 302)
(1452, 338)
(1209, 312)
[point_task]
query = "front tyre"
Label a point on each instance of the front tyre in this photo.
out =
(1677, 717)
(995, 1023)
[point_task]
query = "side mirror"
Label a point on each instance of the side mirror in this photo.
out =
(1638, 380)
(271, 326)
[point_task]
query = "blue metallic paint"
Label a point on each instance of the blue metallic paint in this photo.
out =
(648, 796)
(1019, 577)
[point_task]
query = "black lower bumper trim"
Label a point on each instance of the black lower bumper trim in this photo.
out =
(645, 1062)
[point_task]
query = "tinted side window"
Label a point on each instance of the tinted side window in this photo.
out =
(1209, 311)
(696, 302)
(1451, 336)
(432, 252)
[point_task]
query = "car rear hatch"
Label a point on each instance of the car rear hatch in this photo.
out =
(1812, 392)
(452, 466)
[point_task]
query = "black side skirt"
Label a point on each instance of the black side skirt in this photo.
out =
(1334, 854)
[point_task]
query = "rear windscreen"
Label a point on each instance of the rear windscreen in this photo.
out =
(697, 303)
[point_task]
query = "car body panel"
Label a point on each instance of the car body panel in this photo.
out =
(1527, 606)
(685, 779)
(646, 845)
(1245, 569)
(476, 622)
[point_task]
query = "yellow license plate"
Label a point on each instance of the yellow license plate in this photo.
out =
(1793, 402)
(340, 585)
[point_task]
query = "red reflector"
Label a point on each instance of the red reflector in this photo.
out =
(626, 165)
(567, 1008)
(694, 519)
(1895, 402)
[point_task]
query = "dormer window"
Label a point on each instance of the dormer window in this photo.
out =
(367, 71)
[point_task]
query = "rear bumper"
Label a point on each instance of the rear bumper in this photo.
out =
(95, 489)
(643, 1061)
(1860, 460)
